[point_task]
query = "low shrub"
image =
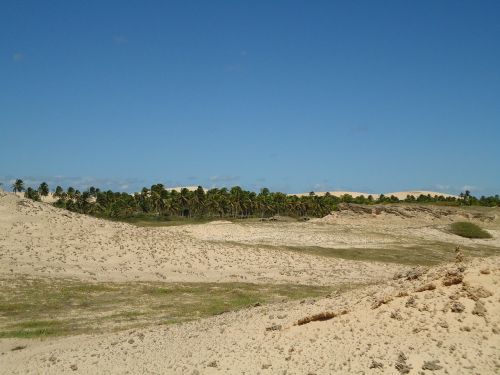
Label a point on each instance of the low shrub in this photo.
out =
(468, 230)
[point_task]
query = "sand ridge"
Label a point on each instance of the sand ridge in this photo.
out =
(38, 239)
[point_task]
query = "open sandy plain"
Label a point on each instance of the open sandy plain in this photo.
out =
(358, 291)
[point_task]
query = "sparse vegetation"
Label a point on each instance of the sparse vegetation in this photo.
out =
(468, 230)
(426, 254)
(55, 307)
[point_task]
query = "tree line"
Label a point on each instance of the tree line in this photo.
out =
(219, 202)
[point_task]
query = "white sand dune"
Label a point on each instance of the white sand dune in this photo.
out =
(39, 239)
(443, 319)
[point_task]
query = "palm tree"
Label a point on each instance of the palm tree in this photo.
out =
(43, 189)
(32, 194)
(59, 192)
(18, 186)
(184, 198)
(71, 192)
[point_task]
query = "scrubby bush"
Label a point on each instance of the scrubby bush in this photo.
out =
(468, 230)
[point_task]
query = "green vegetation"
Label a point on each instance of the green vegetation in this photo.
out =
(161, 206)
(468, 230)
(55, 307)
(145, 220)
(18, 186)
(424, 254)
(32, 194)
(43, 189)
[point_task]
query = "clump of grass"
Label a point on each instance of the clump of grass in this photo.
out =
(468, 230)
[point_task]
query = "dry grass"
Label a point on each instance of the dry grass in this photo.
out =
(55, 307)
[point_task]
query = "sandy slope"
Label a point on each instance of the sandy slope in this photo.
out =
(409, 225)
(411, 322)
(451, 329)
(38, 239)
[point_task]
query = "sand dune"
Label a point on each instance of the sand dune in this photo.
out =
(404, 326)
(39, 239)
(397, 319)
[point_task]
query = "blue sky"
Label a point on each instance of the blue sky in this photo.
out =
(297, 96)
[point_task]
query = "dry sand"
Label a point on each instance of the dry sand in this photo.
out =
(411, 321)
(450, 329)
(38, 239)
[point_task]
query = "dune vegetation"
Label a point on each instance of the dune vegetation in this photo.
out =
(161, 204)
(35, 307)
(468, 230)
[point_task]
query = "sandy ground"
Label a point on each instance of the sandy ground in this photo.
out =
(38, 239)
(346, 229)
(443, 319)
(449, 329)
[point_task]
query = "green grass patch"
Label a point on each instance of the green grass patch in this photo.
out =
(414, 255)
(425, 254)
(54, 307)
(158, 221)
(36, 328)
(468, 230)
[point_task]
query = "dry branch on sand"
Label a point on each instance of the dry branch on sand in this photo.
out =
(381, 301)
(425, 287)
(327, 315)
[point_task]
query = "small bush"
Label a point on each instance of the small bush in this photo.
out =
(468, 230)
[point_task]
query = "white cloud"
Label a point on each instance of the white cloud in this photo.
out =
(235, 68)
(18, 56)
(120, 39)
(224, 178)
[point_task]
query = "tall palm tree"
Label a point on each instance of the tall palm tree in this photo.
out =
(58, 192)
(18, 186)
(71, 192)
(43, 189)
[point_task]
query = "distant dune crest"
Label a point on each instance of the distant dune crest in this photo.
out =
(397, 194)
